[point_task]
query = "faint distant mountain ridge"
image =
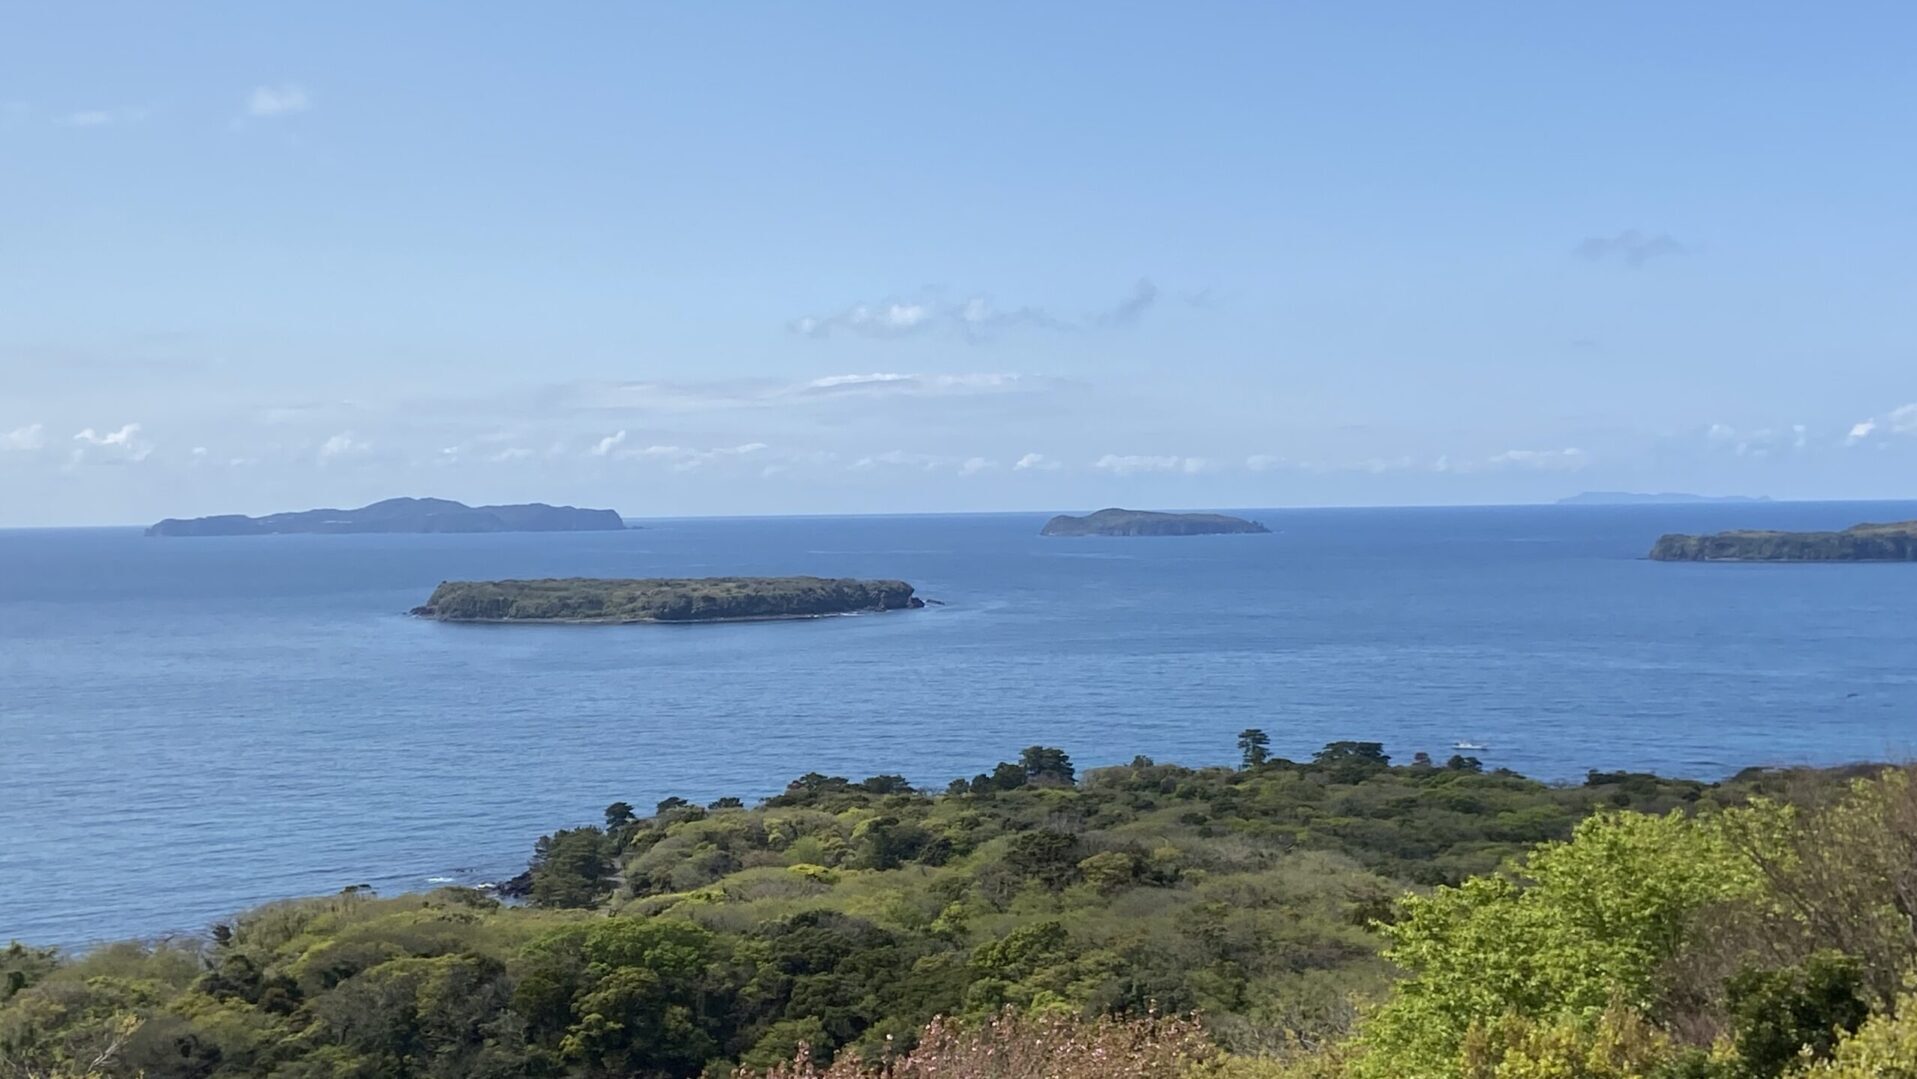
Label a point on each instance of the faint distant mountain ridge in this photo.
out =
(401, 515)
(1666, 498)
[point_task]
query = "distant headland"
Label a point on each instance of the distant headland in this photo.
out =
(1117, 522)
(1861, 543)
(698, 599)
(1663, 498)
(401, 515)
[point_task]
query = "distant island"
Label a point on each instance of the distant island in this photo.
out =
(699, 599)
(1664, 498)
(1117, 522)
(401, 515)
(1862, 543)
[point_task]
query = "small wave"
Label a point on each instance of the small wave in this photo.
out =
(440, 880)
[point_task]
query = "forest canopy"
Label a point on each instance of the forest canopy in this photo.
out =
(1342, 916)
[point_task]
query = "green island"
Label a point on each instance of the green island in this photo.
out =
(1895, 542)
(662, 599)
(1342, 917)
(1118, 522)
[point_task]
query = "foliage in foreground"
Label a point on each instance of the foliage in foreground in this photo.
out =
(1656, 928)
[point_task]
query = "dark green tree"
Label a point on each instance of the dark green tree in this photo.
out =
(887, 784)
(1046, 764)
(619, 815)
(1254, 747)
(1778, 1014)
(569, 868)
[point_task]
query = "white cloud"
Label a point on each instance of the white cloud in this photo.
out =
(919, 462)
(343, 445)
(1133, 464)
(124, 444)
(1903, 420)
(972, 318)
(694, 397)
(285, 99)
(902, 459)
(1036, 462)
(510, 453)
(1861, 431)
(880, 383)
(1565, 460)
(1264, 462)
(1761, 442)
(31, 437)
(681, 458)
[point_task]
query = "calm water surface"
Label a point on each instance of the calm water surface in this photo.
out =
(191, 726)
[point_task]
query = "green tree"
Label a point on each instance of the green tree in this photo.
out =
(570, 867)
(1254, 747)
(1582, 926)
(1778, 1015)
(619, 815)
(1047, 764)
(1885, 1047)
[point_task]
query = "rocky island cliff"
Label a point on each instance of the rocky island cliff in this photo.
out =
(1896, 542)
(401, 515)
(699, 599)
(1119, 522)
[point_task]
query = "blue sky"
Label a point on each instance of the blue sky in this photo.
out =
(748, 258)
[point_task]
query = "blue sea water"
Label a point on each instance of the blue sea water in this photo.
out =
(192, 726)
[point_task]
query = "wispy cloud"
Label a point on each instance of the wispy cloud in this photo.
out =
(1569, 459)
(1899, 421)
(972, 318)
(926, 462)
(124, 445)
(1132, 464)
(1037, 462)
(25, 439)
(684, 459)
(691, 397)
(343, 445)
(1631, 247)
(284, 99)
(605, 446)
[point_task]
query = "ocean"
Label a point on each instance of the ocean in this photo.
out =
(192, 726)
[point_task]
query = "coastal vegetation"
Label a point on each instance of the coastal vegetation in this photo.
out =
(401, 515)
(696, 599)
(1895, 542)
(1118, 522)
(1344, 916)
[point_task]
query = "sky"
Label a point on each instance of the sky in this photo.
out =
(689, 259)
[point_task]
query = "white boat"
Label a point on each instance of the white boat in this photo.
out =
(1469, 745)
